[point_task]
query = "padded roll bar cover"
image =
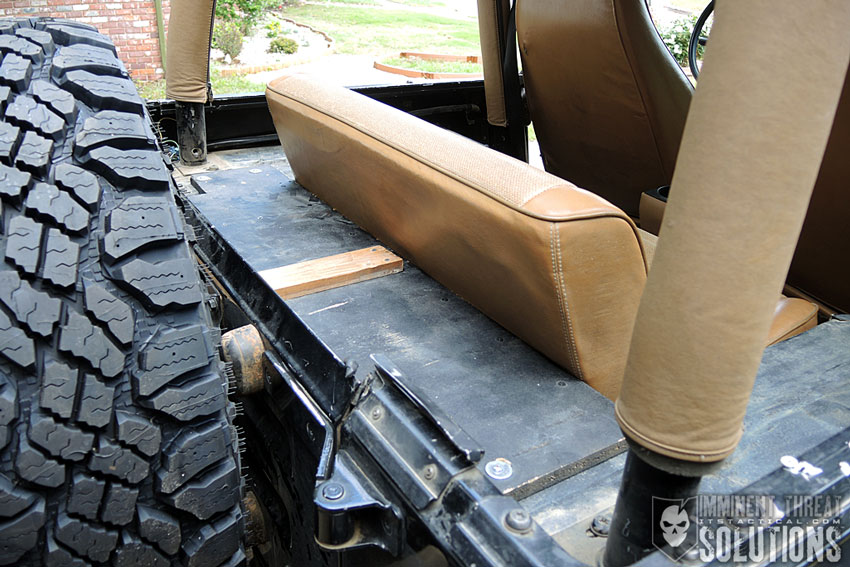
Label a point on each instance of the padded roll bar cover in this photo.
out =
(750, 155)
(492, 47)
(188, 50)
(558, 266)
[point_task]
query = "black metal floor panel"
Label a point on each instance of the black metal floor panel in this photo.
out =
(510, 399)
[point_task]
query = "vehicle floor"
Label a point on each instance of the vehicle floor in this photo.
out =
(559, 435)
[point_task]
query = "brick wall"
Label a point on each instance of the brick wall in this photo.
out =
(130, 24)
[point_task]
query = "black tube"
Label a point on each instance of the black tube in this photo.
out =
(632, 527)
(191, 132)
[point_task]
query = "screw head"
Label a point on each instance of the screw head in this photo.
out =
(377, 413)
(430, 472)
(518, 520)
(499, 469)
(601, 525)
(333, 491)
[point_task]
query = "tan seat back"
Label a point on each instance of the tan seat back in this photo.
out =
(558, 266)
(607, 99)
(821, 265)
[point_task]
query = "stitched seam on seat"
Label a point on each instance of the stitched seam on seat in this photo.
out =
(560, 291)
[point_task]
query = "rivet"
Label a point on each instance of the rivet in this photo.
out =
(499, 469)
(518, 520)
(333, 491)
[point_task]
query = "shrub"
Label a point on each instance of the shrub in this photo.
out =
(244, 12)
(283, 45)
(273, 28)
(677, 37)
(227, 36)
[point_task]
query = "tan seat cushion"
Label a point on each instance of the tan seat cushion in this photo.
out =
(561, 268)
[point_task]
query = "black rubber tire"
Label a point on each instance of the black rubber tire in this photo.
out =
(116, 437)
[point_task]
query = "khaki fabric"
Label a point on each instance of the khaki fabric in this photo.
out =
(556, 265)
(188, 50)
(651, 213)
(492, 47)
(750, 154)
(607, 100)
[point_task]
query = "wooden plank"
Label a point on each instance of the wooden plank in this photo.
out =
(321, 274)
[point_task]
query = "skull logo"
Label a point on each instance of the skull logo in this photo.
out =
(674, 525)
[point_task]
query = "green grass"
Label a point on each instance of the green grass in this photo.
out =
(425, 3)
(359, 30)
(433, 66)
(154, 90)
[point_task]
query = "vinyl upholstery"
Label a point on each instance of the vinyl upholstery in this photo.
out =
(607, 100)
(556, 265)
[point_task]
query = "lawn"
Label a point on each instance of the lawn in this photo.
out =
(382, 31)
(235, 84)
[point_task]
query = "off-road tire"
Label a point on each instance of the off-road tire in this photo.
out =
(116, 443)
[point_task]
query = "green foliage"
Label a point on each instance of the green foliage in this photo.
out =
(283, 45)
(227, 36)
(677, 37)
(273, 29)
(244, 12)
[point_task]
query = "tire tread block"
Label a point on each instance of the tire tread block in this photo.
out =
(138, 431)
(157, 526)
(86, 539)
(170, 355)
(140, 222)
(66, 34)
(96, 401)
(121, 130)
(41, 38)
(62, 102)
(85, 496)
(81, 183)
(107, 308)
(13, 183)
(162, 284)
(58, 388)
(213, 544)
(134, 552)
(103, 92)
(35, 309)
(13, 499)
(49, 201)
(85, 340)
(23, 243)
(129, 169)
(15, 344)
(61, 257)
(9, 135)
(58, 439)
(34, 153)
(16, 72)
(202, 396)
(113, 460)
(210, 493)
(25, 112)
(20, 534)
(32, 465)
(20, 46)
(191, 452)
(119, 505)
(93, 60)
